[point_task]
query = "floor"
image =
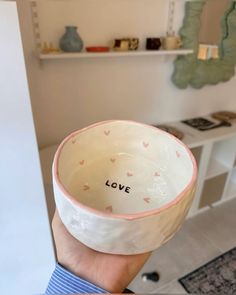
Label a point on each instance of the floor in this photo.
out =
(201, 239)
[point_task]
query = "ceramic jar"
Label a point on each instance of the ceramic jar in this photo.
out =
(71, 40)
(153, 43)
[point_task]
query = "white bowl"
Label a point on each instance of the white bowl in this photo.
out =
(123, 187)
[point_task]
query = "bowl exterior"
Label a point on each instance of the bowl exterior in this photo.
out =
(122, 236)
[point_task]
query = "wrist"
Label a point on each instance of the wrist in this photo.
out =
(89, 273)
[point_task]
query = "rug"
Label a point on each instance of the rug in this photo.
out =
(216, 276)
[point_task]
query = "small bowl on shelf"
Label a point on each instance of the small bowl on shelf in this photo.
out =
(97, 49)
(122, 187)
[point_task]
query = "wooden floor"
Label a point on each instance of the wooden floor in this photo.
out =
(201, 239)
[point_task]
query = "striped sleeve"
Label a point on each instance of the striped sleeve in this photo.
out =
(64, 282)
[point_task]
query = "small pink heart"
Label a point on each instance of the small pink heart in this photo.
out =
(157, 174)
(109, 209)
(145, 144)
(81, 162)
(129, 174)
(178, 154)
(112, 160)
(147, 200)
(86, 187)
(107, 132)
(73, 141)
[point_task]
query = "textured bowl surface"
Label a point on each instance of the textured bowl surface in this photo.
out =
(123, 187)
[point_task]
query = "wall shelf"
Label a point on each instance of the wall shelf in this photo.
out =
(113, 54)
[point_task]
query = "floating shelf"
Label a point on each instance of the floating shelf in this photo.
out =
(113, 54)
(216, 168)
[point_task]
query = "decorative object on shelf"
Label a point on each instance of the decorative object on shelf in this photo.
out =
(133, 43)
(97, 49)
(153, 43)
(125, 44)
(45, 48)
(171, 42)
(71, 40)
(49, 48)
(196, 72)
(206, 51)
(174, 131)
(221, 124)
(133, 187)
(224, 116)
(121, 45)
(203, 124)
(199, 123)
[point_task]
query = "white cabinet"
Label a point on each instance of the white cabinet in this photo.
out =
(215, 153)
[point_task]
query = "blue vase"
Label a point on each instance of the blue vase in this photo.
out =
(71, 41)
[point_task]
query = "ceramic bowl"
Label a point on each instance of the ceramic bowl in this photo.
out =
(123, 187)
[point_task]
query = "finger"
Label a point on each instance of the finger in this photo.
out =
(57, 224)
(55, 220)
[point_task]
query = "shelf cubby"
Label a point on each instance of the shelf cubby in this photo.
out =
(212, 190)
(222, 157)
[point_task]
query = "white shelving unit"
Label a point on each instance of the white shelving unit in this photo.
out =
(114, 54)
(215, 153)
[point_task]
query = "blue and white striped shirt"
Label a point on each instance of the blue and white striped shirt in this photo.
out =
(64, 282)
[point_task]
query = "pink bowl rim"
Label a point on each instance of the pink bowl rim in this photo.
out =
(131, 216)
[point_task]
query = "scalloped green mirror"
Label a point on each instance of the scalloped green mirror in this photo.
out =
(214, 57)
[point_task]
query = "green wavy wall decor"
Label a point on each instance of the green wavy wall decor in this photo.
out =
(188, 69)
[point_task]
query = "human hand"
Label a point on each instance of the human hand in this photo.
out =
(108, 271)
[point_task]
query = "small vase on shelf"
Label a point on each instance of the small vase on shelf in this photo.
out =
(71, 40)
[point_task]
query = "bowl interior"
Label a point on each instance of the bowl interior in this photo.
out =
(123, 167)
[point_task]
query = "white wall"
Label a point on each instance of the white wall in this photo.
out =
(27, 258)
(67, 95)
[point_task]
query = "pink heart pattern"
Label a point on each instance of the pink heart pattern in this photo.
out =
(145, 144)
(109, 209)
(157, 174)
(106, 132)
(81, 162)
(112, 160)
(178, 154)
(86, 187)
(147, 200)
(129, 174)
